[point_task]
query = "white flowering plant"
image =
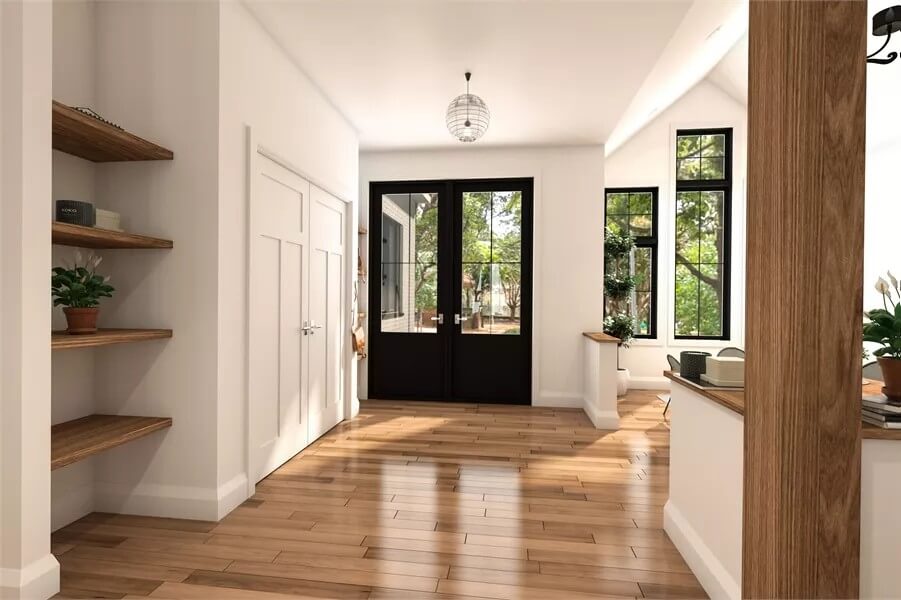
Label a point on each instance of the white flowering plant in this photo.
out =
(883, 325)
(78, 285)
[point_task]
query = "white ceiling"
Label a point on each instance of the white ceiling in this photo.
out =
(731, 74)
(552, 73)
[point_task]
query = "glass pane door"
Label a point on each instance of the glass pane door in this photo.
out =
(491, 251)
(409, 263)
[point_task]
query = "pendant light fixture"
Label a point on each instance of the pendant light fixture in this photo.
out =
(467, 116)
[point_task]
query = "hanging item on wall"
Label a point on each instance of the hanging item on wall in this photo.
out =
(467, 116)
(75, 212)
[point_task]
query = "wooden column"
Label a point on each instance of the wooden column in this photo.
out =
(806, 123)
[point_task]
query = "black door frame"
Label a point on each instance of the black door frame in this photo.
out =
(449, 296)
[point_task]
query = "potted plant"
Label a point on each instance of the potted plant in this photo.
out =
(78, 289)
(883, 327)
(618, 287)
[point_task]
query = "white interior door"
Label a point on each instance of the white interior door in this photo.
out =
(326, 394)
(278, 306)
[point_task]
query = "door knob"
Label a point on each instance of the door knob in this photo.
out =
(439, 318)
(457, 319)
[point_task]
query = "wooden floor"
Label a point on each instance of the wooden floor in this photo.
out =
(418, 500)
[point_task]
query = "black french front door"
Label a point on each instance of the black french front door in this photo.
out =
(450, 291)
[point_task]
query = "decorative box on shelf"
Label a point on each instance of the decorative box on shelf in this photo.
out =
(725, 371)
(107, 219)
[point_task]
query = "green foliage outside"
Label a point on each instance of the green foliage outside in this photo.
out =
(79, 286)
(492, 241)
(883, 325)
(700, 237)
(618, 284)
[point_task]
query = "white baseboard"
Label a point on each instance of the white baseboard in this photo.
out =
(38, 580)
(649, 383)
(602, 419)
(711, 573)
(231, 494)
(180, 502)
(557, 400)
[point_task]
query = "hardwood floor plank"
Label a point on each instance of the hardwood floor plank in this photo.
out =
(279, 585)
(337, 575)
(512, 592)
(231, 544)
(418, 500)
(454, 559)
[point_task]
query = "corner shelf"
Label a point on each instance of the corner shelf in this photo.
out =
(60, 340)
(76, 440)
(89, 138)
(66, 234)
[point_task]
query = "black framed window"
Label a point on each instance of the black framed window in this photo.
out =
(633, 210)
(703, 233)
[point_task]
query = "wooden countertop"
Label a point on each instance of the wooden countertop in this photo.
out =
(602, 338)
(734, 399)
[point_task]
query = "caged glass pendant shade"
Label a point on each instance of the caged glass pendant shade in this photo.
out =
(467, 116)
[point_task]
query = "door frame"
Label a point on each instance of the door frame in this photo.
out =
(254, 151)
(447, 262)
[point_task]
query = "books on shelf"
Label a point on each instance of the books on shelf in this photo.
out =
(881, 411)
(880, 402)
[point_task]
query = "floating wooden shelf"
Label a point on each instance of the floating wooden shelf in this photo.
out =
(86, 137)
(60, 340)
(66, 234)
(76, 440)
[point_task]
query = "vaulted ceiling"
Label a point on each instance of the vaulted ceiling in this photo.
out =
(552, 73)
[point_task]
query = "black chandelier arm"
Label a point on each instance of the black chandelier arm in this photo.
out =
(891, 55)
(890, 58)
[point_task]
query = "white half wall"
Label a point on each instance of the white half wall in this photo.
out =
(648, 160)
(703, 515)
(568, 245)
(27, 569)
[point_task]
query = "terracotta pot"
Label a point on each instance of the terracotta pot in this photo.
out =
(81, 320)
(891, 375)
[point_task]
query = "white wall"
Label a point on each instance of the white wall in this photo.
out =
(157, 75)
(260, 87)
(647, 160)
(568, 244)
(27, 569)
(883, 200)
(74, 83)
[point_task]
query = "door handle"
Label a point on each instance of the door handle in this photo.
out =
(439, 318)
(457, 319)
(314, 327)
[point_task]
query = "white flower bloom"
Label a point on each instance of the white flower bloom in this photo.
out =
(77, 257)
(882, 286)
(892, 279)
